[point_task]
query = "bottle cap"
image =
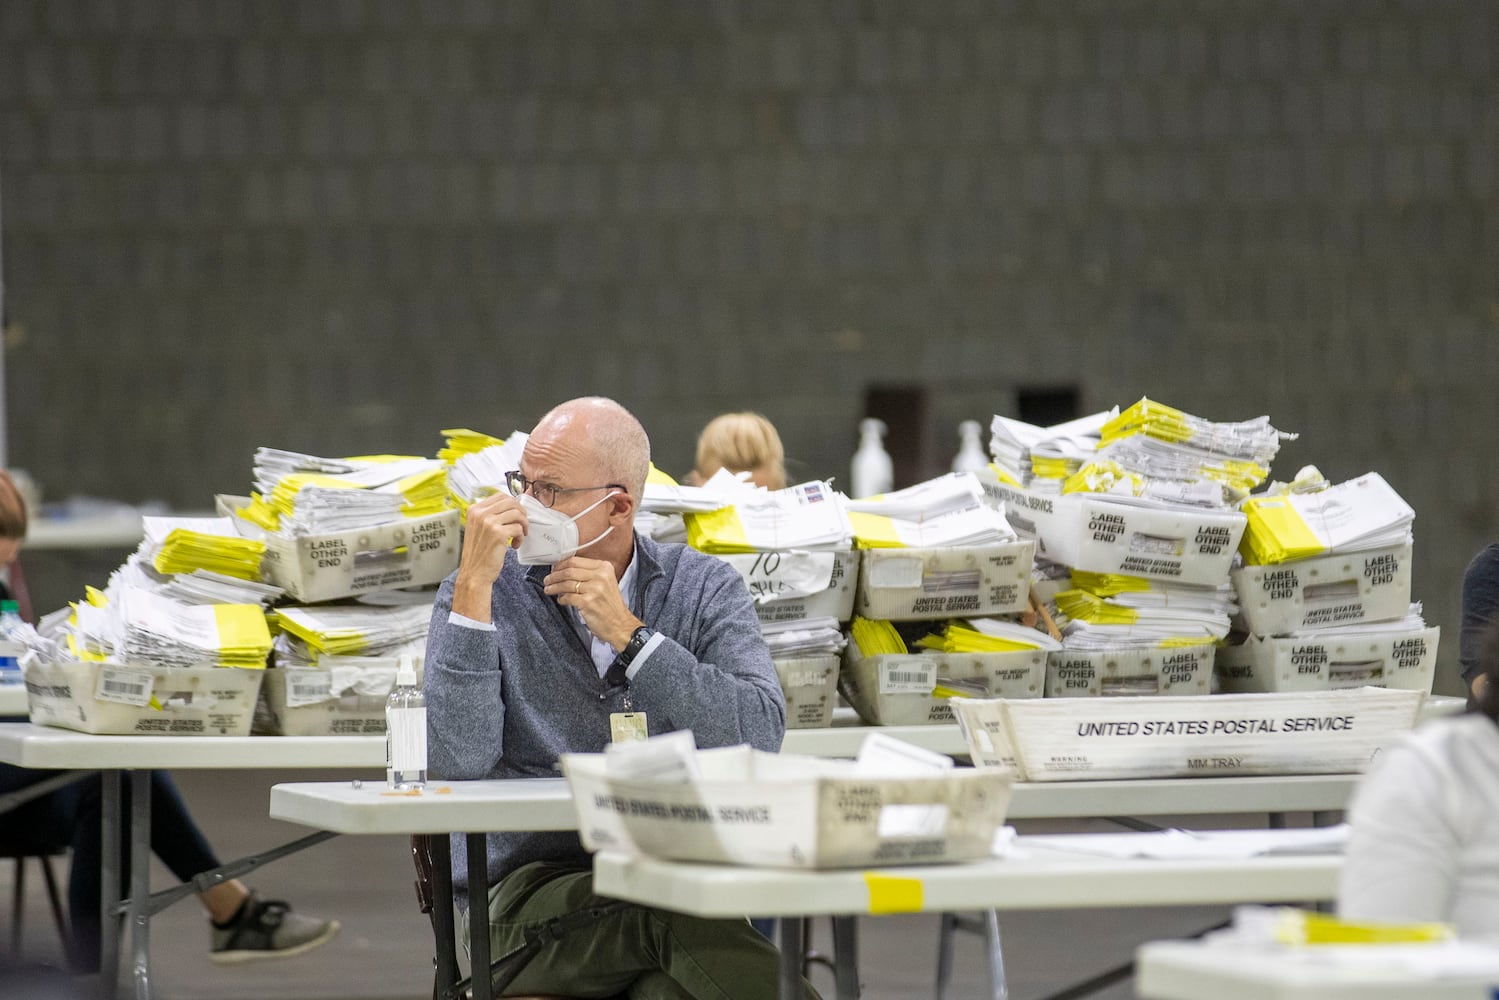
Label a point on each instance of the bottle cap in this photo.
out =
(10, 606)
(406, 671)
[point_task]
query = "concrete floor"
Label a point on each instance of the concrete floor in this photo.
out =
(384, 949)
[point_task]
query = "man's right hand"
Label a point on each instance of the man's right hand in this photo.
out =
(494, 525)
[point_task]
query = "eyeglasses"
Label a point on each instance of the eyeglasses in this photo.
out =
(546, 493)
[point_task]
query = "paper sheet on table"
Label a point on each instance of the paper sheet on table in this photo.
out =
(1186, 844)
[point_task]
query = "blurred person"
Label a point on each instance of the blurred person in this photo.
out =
(1480, 602)
(741, 442)
(1424, 839)
(243, 926)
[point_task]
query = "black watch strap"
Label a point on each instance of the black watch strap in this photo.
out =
(638, 639)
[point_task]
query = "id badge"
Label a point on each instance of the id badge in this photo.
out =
(625, 727)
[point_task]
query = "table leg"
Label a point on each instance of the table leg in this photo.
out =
(791, 958)
(846, 957)
(445, 971)
(109, 885)
(478, 915)
(140, 881)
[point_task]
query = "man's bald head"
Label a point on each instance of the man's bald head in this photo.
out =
(610, 435)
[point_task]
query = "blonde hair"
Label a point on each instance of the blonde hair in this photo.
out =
(742, 442)
(12, 508)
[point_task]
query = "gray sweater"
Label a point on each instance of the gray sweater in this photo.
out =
(508, 703)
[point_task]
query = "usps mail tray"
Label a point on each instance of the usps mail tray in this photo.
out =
(1324, 732)
(925, 583)
(1091, 532)
(788, 811)
(810, 684)
(344, 698)
(1156, 670)
(915, 689)
(1405, 659)
(1325, 591)
(405, 553)
(142, 700)
(778, 583)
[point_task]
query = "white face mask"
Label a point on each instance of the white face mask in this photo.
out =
(551, 536)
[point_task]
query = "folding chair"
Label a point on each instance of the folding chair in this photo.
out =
(433, 860)
(20, 852)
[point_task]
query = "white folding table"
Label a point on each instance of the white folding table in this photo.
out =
(474, 807)
(1195, 970)
(49, 748)
(1040, 878)
(13, 701)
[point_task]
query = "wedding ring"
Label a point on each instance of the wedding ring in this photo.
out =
(577, 586)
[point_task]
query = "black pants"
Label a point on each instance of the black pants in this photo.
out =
(70, 818)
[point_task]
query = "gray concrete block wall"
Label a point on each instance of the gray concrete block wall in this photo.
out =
(341, 226)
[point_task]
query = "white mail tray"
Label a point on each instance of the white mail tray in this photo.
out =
(779, 583)
(1325, 590)
(134, 699)
(924, 583)
(789, 811)
(810, 685)
(406, 553)
(1309, 662)
(1325, 732)
(912, 689)
(1155, 670)
(1091, 532)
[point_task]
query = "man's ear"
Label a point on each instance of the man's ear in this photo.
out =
(622, 505)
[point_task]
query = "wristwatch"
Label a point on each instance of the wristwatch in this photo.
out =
(638, 639)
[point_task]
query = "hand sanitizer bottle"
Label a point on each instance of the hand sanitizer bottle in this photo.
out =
(971, 457)
(406, 731)
(872, 470)
(10, 648)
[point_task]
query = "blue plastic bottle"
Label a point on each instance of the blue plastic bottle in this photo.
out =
(10, 648)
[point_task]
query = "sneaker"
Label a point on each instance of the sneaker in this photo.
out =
(267, 928)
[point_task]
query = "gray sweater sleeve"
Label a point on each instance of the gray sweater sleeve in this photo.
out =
(725, 687)
(465, 709)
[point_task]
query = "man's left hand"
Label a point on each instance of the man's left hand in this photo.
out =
(590, 586)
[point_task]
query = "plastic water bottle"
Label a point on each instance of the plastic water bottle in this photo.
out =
(10, 646)
(406, 730)
(971, 457)
(872, 469)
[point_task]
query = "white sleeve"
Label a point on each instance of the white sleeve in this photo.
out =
(1403, 852)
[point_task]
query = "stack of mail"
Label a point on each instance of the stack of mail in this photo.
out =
(370, 491)
(1041, 457)
(986, 635)
(666, 501)
(185, 544)
(875, 637)
(309, 633)
(808, 516)
(93, 630)
(663, 495)
(1113, 609)
(950, 511)
(1361, 514)
(803, 637)
(201, 586)
(1163, 443)
(462, 442)
(161, 631)
(477, 474)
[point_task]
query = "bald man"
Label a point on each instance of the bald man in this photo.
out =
(561, 630)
